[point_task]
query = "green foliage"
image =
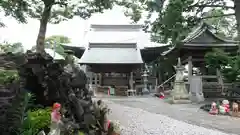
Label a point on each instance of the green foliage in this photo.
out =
(175, 18)
(172, 23)
(37, 120)
(225, 26)
(11, 47)
(217, 59)
(15, 115)
(58, 39)
(21, 121)
(228, 65)
(163, 66)
(7, 76)
(15, 9)
(60, 9)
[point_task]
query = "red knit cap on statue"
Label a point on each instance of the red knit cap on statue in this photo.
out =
(56, 106)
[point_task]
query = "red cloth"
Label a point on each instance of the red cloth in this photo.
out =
(161, 96)
(213, 111)
(55, 116)
(108, 124)
(227, 108)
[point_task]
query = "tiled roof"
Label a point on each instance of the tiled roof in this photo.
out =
(111, 56)
(203, 27)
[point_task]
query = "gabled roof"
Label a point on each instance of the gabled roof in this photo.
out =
(204, 36)
(78, 50)
(202, 29)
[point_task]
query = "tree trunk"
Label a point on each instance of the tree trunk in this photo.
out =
(237, 15)
(43, 28)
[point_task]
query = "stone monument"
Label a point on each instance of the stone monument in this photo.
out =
(179, 94)
(196, 93)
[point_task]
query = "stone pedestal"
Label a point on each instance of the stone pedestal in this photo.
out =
(179, 94)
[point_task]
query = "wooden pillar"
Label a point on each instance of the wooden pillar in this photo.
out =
(190, 68)
(100, 79)
(96, 78)
(90, 76)
(131, 81)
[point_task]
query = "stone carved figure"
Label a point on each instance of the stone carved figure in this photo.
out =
(56, 123)
(235, 109)
(214, 109)
(224, 108)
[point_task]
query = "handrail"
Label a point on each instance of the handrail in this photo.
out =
(166, 81)
(220, 79)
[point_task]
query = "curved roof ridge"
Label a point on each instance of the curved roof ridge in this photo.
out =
(201, 29)
(195, 33)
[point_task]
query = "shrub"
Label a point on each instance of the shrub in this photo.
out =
(7, 76)
(38, 120)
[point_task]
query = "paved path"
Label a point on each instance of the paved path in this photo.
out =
(186, 113)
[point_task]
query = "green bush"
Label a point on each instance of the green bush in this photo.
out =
(8, 75)
(227, 64)
(37, 120)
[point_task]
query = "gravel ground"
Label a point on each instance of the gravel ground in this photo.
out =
(136, 121)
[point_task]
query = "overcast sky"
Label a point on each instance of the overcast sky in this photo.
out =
(74, 28)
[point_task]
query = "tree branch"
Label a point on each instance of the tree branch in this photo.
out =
(213, 6)
(60, 3)
(217, 16)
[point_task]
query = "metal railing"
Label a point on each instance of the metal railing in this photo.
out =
(169, 79)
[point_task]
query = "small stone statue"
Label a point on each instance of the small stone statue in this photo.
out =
(235, 109)
(224, 108)
(214, 109)
(55, 120)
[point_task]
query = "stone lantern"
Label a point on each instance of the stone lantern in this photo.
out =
(179, 93)
(145, 82)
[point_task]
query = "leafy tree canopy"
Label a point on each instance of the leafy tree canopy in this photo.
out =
(15, 9)
(176, 17)
(58, 39)
(225, 26)
(11, 47)
(54, 11)
(55, 40)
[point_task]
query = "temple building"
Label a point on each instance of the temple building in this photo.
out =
(113, 54)
(192, 51)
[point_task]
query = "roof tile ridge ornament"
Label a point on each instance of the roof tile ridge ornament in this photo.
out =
(211, 30)
(202, 27)
(179, 64)
(195, 32)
